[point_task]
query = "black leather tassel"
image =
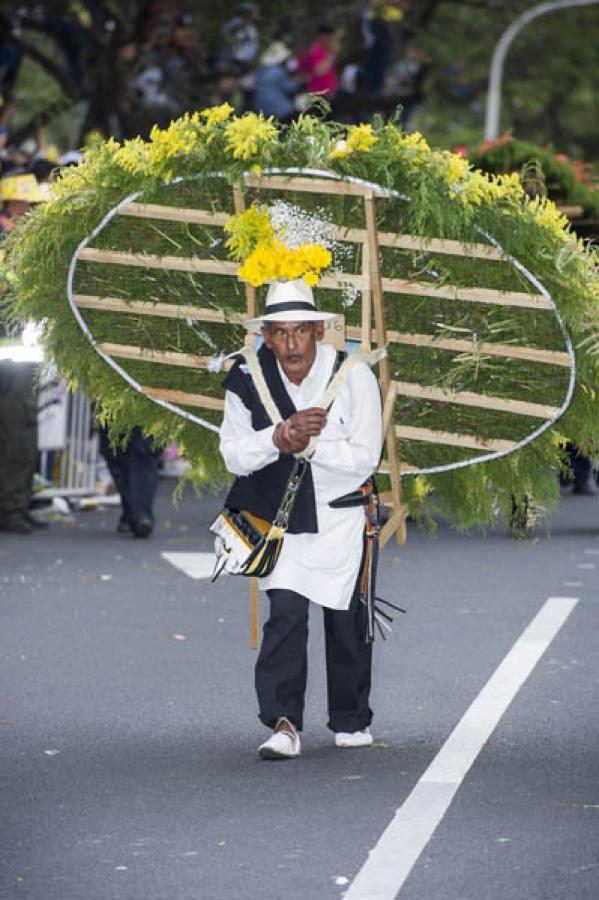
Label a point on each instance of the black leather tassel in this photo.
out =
(392, 605)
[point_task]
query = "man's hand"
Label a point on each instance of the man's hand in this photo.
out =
(293, 435)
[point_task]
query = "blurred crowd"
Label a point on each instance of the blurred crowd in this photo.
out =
(170, 63)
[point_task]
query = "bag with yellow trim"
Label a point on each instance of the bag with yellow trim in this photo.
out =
(248, 545)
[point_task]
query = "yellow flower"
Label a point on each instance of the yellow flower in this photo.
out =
(548, 215)
(272, 260)
(360, 138)
(245, 134)
(216, 114)
(248, 229)
(133, 156)
(315, 256)
(340, 150)
(181, 137)
(422, 488)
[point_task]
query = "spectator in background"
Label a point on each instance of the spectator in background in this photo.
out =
(62, 23)
(319, 63)
(240, 40)
(275, 87)
(18, 415)
(134, 470)
(378, 45)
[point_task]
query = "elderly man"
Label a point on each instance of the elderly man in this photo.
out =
(322, 550)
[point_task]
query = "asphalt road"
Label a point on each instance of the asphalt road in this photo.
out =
(128, 728)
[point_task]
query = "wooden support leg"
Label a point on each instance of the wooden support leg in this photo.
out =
(387, 389)
(250, 291)
(254, 612)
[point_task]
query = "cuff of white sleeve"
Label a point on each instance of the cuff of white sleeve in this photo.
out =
(266, 450)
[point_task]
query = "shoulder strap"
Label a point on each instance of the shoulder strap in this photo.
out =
(370, 357)
(259, 380)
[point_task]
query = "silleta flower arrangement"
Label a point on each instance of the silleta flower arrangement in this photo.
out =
(156, 281)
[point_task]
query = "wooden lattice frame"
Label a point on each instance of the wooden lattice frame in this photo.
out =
(372, 287)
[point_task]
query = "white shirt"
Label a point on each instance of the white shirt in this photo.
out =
(323, 566)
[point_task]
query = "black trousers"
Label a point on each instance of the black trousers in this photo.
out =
(18, 438)
(134, 471)
(282, 665)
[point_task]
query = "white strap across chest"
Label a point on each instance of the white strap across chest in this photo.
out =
(371, 357)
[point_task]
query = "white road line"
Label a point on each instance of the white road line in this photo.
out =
(195, 565)
(391, 861)
(585, 566)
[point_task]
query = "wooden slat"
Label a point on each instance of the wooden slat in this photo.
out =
(196, 264)
(471, 441)
(164, 357)
(480, 401)
(174, 214)
(421, 244)
(470, 295)
(438, 245)
(185, 399)
(148, 261)
(531, 354)
(457, 345)
(355, 235)
(339, 282)
(383, 468)
(149, 308)
(311, 185)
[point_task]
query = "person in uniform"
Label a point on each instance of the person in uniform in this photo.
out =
(323, 547)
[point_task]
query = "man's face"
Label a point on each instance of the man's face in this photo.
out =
(294, 345)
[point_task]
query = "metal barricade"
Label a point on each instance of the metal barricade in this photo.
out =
(72, 467)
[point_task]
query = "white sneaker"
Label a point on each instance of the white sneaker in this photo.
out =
(354, 738)
(282, 744)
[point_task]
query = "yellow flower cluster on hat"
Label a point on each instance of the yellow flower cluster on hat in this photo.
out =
(274, 261)
(265, 256)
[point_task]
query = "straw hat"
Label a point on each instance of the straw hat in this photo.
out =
(276, 54)
(289, 301)
(22, 187)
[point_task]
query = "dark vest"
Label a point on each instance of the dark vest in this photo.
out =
(261, 492)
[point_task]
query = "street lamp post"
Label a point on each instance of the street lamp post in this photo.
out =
(503, 45)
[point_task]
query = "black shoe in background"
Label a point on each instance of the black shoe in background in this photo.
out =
(585, 488)
(142, 528)
(16, 524)
(124, 526)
